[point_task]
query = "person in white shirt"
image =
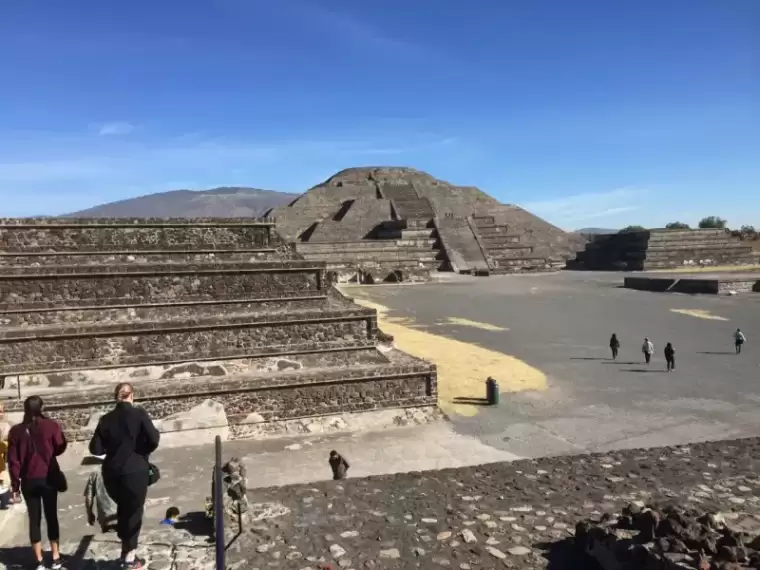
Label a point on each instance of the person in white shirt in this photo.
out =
(648, 349)
(739, 340)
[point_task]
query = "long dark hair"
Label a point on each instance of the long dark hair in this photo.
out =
(33, 407)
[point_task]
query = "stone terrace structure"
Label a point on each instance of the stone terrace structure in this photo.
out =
(217, 322)
(377, 224)
(663, 249)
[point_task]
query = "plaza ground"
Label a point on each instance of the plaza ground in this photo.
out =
(545, 339)
(558, 325)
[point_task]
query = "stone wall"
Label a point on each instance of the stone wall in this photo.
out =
(87, 286)
(696, 285)
(238, 401)
(43, 235)
(129, 344)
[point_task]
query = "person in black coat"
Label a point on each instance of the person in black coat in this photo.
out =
(670, 356)
(126, 436)
(614, 346)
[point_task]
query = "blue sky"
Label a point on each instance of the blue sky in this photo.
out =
(587, 112)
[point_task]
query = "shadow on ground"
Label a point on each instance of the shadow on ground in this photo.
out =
(564, 555)
(471, 401)
(21, 558)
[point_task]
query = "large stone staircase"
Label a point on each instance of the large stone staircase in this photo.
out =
(217, 323)
(504, 251)
(405, 248)
(664, 249)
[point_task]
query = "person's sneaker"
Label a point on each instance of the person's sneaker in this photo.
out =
(136, 564)
(57, 564)
(41, 566)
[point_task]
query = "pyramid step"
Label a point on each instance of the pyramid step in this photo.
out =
(49, 348)
(102, 285)
(250, 401)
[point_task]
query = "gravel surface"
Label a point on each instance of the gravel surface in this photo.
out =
(519, 514)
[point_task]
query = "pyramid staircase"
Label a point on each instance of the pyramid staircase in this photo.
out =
(503, 250)
(217, 323)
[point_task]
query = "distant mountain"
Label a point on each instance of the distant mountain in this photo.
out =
(596, 231)
(223, 202)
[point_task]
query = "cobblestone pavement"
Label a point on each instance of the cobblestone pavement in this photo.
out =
(503, 515)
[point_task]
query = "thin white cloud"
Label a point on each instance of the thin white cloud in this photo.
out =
(568, 211)
(115, 128)
(41, 171)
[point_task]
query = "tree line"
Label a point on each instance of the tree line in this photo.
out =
(708, 223)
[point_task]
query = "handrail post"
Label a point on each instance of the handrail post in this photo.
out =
(218, 506)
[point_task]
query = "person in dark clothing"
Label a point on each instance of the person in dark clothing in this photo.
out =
(339, 465)
(670, 356)
(126, 436)
(33, 448)
(614, 346)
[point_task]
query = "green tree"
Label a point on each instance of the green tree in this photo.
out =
(677, 226)
(712, 223)
(632, 229)
(748, 230)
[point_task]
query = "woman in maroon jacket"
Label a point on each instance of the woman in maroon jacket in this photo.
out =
(33, 447)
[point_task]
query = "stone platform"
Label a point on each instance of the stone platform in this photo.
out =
(664, 249)
(708, 284)
(519, 515)
(218, 323)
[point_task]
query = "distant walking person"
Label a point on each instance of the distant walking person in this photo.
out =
(670, 356)
(739, 340)
(126, 436)
(614, 346)
(33, 448)
(648, 349)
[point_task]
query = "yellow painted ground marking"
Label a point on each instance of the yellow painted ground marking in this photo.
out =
(708, 269)
(462, 367)
(699, 313)
(474, 324)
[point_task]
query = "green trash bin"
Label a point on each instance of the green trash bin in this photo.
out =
(492, 392)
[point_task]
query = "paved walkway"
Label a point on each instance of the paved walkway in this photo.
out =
(186, 474)
(519, 514)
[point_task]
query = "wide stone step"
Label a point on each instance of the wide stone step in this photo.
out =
(692, 245)
(247, 401)
(62, 235)
(47, 348)
(294, 301)
(688, 234)
(522, 261)
(91, 285)
(308, 248)
(398, 254)
(703, 262)
(424, 233)
(141, 257)
(490, 229)
(510, 253)
(499, 240)
(483, 220)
